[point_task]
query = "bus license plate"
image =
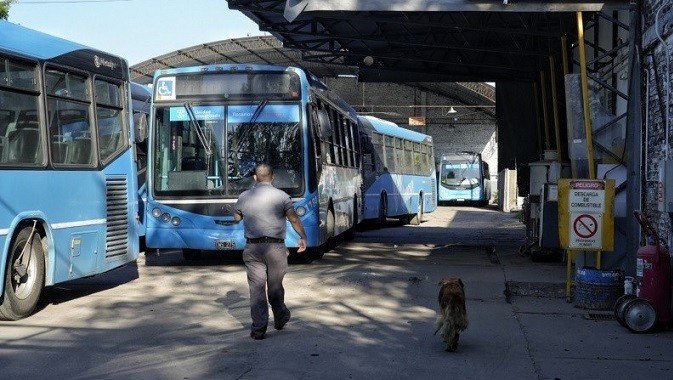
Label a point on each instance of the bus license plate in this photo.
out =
(224, 244)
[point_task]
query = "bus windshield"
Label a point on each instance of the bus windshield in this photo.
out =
(460, 174)
(212, 150)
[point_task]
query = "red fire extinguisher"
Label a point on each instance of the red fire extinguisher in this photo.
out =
(653, 272)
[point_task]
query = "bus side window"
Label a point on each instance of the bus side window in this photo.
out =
(6, 120)
(3, 151)
(23, 143)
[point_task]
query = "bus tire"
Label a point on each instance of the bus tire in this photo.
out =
(418, 218)
(350, 233)
(24, 276)
(329, 225)
(319, 251)
(191, 254)
(383, 211)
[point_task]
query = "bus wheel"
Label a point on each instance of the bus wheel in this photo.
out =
(330, 224)
(418, 218)
(350, 233)
(383, 212)
(24, 278)
(191, 254)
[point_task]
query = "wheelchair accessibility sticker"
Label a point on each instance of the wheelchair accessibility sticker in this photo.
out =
(165, 88)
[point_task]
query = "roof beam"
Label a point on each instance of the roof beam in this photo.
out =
(299, 8)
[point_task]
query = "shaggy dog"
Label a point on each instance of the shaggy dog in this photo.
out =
(453, 318)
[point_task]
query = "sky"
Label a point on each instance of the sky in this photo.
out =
(134, 29)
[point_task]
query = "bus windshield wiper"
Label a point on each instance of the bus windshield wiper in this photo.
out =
(258, 110)
(200, 133)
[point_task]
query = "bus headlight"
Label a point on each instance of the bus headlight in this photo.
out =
(156, 212)
(165, 217)
(301, 210)
(175, 221)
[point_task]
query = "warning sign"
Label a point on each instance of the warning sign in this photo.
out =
(585, 213)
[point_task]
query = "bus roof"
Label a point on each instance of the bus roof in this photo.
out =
(32, 43)
(391, 129)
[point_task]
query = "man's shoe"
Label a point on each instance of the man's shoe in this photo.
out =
(279, 324)
(257, 335)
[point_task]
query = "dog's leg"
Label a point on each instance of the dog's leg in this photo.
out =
(449, 338)
(454, 342)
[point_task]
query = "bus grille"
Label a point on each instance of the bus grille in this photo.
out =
(117, 236)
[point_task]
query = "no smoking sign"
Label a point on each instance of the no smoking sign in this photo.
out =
(585, 231)
(586, 214)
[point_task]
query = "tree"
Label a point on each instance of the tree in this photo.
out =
(4, 8)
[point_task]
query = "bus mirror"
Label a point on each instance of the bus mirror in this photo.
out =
(324, 126)
(140, 125)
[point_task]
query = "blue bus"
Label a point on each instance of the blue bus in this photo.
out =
(211, 125)
(68, 192)
(464, 178)
(141, 100)
(398, 171)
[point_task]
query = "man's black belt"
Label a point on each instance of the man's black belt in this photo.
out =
(264, 239)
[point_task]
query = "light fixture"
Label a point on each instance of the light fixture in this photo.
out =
(452, 110)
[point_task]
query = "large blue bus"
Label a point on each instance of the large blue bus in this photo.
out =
(463, 178)
(141, 100)
(68, 192)
(398, 170)
(211, 125)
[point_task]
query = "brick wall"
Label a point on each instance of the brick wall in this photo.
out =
(656, 106)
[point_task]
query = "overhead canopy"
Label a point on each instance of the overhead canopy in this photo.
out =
(414, 40)
(269, 50)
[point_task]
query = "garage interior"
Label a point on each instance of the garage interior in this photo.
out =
(542, 56)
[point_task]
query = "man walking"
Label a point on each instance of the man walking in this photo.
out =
(264, 210)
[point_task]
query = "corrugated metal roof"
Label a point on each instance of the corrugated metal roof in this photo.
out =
(269, 50)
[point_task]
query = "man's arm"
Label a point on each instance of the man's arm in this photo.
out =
(298, 227)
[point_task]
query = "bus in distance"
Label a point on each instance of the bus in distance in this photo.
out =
(211, 125)
(141, 100)
(68, 192)
(464, 178)
(398, 172)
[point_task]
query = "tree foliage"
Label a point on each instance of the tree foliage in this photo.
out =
(4, 8)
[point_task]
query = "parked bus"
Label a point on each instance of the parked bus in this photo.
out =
(211, 125)
(68, 199)
(464, 178)
(398, 170)
(141, 100)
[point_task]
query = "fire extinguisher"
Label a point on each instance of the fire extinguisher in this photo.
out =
(653, 272)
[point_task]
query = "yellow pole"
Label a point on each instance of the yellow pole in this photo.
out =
(537, 116)
(564, 58)
(585, 96)
(554, 97)
(545, 121)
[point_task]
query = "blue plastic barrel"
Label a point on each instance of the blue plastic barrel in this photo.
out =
(597, 289)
